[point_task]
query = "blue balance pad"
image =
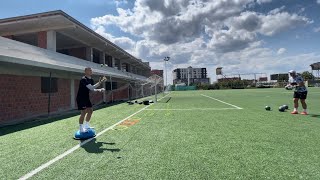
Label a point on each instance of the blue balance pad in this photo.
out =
(85, 135)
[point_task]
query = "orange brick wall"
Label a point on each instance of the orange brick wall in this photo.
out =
(60, 100)
(42, 39)
(8, 37)
(120, 95)
(78, 52)
(76, 87)
(21, 97)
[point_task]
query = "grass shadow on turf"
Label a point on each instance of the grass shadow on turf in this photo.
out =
(97, 147)
(42, 120)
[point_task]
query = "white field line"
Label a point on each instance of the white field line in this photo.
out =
(221, 101)
(47, 164)
(193, 109)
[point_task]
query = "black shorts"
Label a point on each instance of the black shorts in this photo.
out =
(84, 104)
(300, 95)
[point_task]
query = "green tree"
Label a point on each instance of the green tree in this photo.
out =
(307, 75)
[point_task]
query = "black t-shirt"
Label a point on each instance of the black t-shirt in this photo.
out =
(83, 91)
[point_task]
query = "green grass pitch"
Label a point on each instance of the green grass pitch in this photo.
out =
(189, 136)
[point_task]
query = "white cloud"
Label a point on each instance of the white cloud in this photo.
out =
(275, 23)
(277, 10)
(281, 51)
(270, 24)
(258, 59)
(168, 21)
(120, 2)
(318, 1)
(263, 1)
(123, 42)
(316, 29)
(227, 41)
(203, 33)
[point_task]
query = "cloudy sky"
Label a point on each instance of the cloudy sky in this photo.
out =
(242, 36)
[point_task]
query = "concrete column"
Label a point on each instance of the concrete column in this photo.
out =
(52, 40)
(102, 58)
(89, 55)
(72, 95)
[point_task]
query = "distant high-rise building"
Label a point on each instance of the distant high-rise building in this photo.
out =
(196, 75)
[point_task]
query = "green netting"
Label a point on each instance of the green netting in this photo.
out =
(185, 88)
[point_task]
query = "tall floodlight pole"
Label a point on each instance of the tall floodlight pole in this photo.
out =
(189, 68)
(165, 67)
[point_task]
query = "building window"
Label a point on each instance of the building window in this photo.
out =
(114, 86)
(45, 85)
(109, 60)
(95, 56)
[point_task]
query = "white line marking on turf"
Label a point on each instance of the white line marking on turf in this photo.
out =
(47, 164)
(192, 109)
(221, 101)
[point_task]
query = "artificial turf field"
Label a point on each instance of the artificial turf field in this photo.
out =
(223, 134)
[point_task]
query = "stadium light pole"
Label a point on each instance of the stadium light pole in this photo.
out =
(165, 67)
(189, 68)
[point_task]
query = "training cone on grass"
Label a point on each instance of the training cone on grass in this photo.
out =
(84, 135)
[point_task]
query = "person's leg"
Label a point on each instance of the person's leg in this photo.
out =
(89, 113)
(81, 119)
(295, 106)
(88, 118)
(82, 115)
(303, 103)
(82, 107)
(296, 97)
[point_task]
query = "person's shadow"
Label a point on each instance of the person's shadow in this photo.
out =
(315, 115)
(97, 147)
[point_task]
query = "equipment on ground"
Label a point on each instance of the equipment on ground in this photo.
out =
(146, 102)
(268, 108)
(282, 109)
(84, 135)
(286, 106)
